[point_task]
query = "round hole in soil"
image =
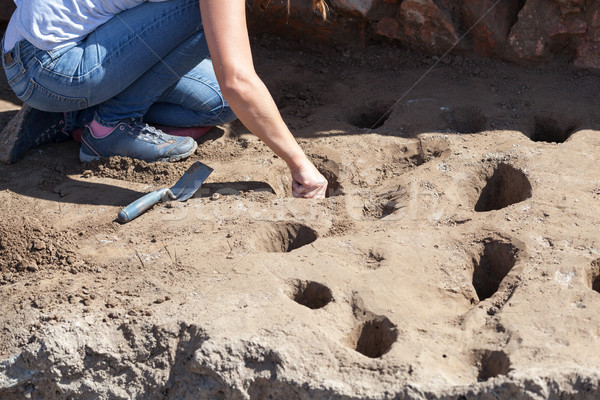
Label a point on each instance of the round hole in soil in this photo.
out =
(372, 116)
(506, 186)
(334, 188)
(596, 284)
(330, 170)
(376, 337)
(493, 364)
(594, 275)
(284, 237)
(494, 263)
(311, 294)
(467, 120)
(548, 129)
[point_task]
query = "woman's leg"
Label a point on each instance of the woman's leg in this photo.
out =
(195, 100)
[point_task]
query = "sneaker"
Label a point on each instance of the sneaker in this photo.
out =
(28, 129)
(136, 139)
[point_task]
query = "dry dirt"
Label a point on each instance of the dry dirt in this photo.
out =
(457, 256)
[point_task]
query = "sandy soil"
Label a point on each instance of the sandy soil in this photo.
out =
(457, 255)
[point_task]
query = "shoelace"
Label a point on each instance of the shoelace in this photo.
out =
(151, 133)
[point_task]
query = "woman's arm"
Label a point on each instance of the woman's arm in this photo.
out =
(227, 36)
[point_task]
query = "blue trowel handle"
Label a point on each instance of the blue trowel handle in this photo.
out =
(138, 207)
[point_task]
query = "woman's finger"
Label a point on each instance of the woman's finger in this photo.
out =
(313, 192)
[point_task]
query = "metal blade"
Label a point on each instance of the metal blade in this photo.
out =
(191, 181)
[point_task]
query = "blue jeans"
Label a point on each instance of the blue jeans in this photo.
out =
(148, 62)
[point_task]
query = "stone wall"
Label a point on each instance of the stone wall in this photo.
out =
(524, 31)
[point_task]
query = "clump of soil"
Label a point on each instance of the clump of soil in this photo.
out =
(132, 170)
(28, 245)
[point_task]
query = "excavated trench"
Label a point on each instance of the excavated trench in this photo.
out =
(137, 355)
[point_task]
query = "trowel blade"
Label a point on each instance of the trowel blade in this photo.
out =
(191, 181)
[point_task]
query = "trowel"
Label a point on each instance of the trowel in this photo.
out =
(185, 188)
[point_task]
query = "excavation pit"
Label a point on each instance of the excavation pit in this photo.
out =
(548, 129)
(330, 170)
(493, 364)
(284, 237)
(467, 120)
(594, 275)
(495, 262)
(311, 294)
(372, 116)
(375, 337)
(506, 186)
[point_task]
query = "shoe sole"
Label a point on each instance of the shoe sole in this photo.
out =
(10, 135)
(86, 158)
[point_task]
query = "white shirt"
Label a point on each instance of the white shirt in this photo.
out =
(48, 24)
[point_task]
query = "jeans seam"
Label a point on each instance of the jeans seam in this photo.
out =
(16, 78)
(217, 92)
(81, 102)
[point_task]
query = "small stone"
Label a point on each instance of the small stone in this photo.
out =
(215, 196)
(87, 173)
(38, 245)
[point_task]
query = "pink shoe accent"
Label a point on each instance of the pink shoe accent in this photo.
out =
(194, 132)
(100, 131)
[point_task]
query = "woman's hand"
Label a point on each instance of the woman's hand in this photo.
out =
(307, 182)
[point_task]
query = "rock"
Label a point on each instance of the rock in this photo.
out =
(543, 28)
(588, 52)
(358, 8)
(6, 9)
(588, 55)
(490, 33)
(38, 245)
(570, 6)
(387, 27)
(421, 25)
(527, 40)
(430, 28)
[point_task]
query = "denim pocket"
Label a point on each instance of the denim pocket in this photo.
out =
(44, 99)
(14, 69)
